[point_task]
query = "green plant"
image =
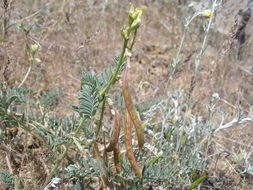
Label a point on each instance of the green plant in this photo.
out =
(7, 179)
(94, 90)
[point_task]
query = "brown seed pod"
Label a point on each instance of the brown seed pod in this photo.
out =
(132, 111)
(116, 158)
(116, 132)
(129, 146)
(96, 153)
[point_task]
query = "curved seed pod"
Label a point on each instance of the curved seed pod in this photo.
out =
(129, 146)
(116, 132)
(116, 158)
(131, 110)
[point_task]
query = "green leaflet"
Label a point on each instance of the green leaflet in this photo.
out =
(101, 80)
(91, 86)
(89, 101)
(197, 182)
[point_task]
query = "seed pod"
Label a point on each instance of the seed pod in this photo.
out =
(116, 132)
(96, 153)
(129, 146)
(131, 110)
(116, 158)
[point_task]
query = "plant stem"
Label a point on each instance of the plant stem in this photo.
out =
(133, 41)
(115, 75)
(114, 78)
(101, 117)
(186, 28)
(181, 44)
(203, 47)
(26, 76)
(121, 62)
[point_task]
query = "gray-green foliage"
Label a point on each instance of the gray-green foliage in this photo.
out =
(48, 100)
(179, 142)
(55, 130)
(9, 100)
(7, 179)
(91, 86)
(84, 168)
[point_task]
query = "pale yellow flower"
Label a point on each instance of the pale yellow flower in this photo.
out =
(207, 14)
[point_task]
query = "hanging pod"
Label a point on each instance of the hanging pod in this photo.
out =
(132, 111)
(129, 146)
(116, 132)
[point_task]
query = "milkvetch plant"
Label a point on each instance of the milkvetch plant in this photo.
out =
(94, 91)
(82, 132)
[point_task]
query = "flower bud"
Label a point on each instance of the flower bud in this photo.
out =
(34, 48)
(135, 13)
(207, 14)
(125, 34)
(131, 14)
(135, 24)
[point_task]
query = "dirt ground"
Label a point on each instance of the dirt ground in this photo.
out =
(77, 36)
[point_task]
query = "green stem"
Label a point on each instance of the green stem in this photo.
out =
(115, 74)
(101, 117)
(133, 41)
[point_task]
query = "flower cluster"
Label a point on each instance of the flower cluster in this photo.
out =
(135, 15)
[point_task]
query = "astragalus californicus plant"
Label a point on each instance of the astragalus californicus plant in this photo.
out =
(93, 94)
(80, 134)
